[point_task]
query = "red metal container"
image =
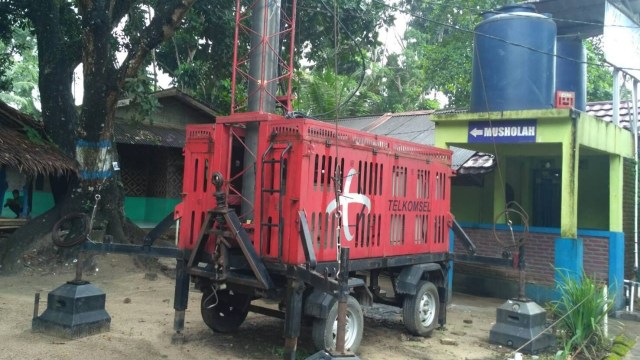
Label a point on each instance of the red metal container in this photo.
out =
(394, 194)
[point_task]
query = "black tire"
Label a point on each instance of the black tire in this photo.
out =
(323, 331)
(71, 230)
(420, 311)
(225, 310)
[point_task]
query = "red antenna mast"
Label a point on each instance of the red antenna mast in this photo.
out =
(265, 67)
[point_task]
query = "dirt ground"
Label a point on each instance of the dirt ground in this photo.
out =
(142, 324)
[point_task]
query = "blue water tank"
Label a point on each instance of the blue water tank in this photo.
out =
(513, 63)
(571, 69)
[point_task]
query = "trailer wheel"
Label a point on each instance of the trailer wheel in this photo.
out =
(224, 310)
(324, 331)
(420, 311)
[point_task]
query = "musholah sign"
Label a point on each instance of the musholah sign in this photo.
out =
(502, 131)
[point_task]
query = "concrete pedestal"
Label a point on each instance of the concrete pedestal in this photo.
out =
(74, 310)
(517, 323)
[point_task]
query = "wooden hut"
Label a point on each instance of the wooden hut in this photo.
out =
(27, 158)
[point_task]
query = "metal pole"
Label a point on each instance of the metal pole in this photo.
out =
(36, 306)
(180, 296)
(79, 262)
(634, 129)
(616, 96)
(263, 67)
(292, 318)
(343, 281)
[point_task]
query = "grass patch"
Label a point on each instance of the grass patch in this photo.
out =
(582, 308)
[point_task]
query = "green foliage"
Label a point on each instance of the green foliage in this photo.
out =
(599, 77)
(142, 102)
(619, 349)
(21, 77)
(582, 307)
(199, 57)
(612, 357)
(359, 23)
(438, 46)
(322, 92)
(622, 339)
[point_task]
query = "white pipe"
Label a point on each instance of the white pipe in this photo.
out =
(627, 295)
(616, 97)
(605, 321)
(634, 128)
(633, 296)
(177, 231)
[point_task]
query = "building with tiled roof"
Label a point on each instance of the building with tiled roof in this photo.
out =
(604, 110)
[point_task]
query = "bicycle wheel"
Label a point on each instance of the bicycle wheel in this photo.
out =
(71, 230)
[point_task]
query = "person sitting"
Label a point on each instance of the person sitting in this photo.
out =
(15, 204)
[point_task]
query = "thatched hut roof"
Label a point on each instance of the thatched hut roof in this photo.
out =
(23, 145)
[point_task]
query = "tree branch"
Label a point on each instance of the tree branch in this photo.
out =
(163, 25)
(118, 9)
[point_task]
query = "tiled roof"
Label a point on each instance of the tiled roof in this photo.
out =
(604, 110)
(479, 163)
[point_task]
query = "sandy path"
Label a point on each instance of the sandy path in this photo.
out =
(142, 327)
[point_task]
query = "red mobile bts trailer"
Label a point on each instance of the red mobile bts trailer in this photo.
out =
(390, 207)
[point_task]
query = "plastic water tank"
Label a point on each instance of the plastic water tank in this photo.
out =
(513, 63)
(571, 69)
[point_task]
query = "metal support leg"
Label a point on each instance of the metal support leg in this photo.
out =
(181, 296)
(292, 318)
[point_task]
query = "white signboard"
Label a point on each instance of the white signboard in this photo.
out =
(621, 40)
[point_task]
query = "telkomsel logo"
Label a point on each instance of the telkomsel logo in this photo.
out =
(346, 198)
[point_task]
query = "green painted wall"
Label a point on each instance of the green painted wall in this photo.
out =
(473, 203)
(143, 211)
(585, 150)
(42, 201)
(593, 193)
(148, 211)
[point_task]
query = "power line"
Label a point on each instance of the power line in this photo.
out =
(481, 11)
(475, 33)
(469, 31)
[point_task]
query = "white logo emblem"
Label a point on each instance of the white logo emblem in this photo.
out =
(347, 198)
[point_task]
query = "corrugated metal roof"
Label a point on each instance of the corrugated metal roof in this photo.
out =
(357, 123)
(149, 135)
(460, 156)
(416, 127)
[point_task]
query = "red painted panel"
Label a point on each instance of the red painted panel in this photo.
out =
(394, 195)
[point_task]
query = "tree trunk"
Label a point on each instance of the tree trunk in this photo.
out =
(90, 136)
(58, 56)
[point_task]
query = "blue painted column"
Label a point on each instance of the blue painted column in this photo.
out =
(616, 269)
(568, 258)
(25, 200)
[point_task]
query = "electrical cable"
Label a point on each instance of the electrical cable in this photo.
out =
(483, 11)
(363, 64)
(455, 27)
